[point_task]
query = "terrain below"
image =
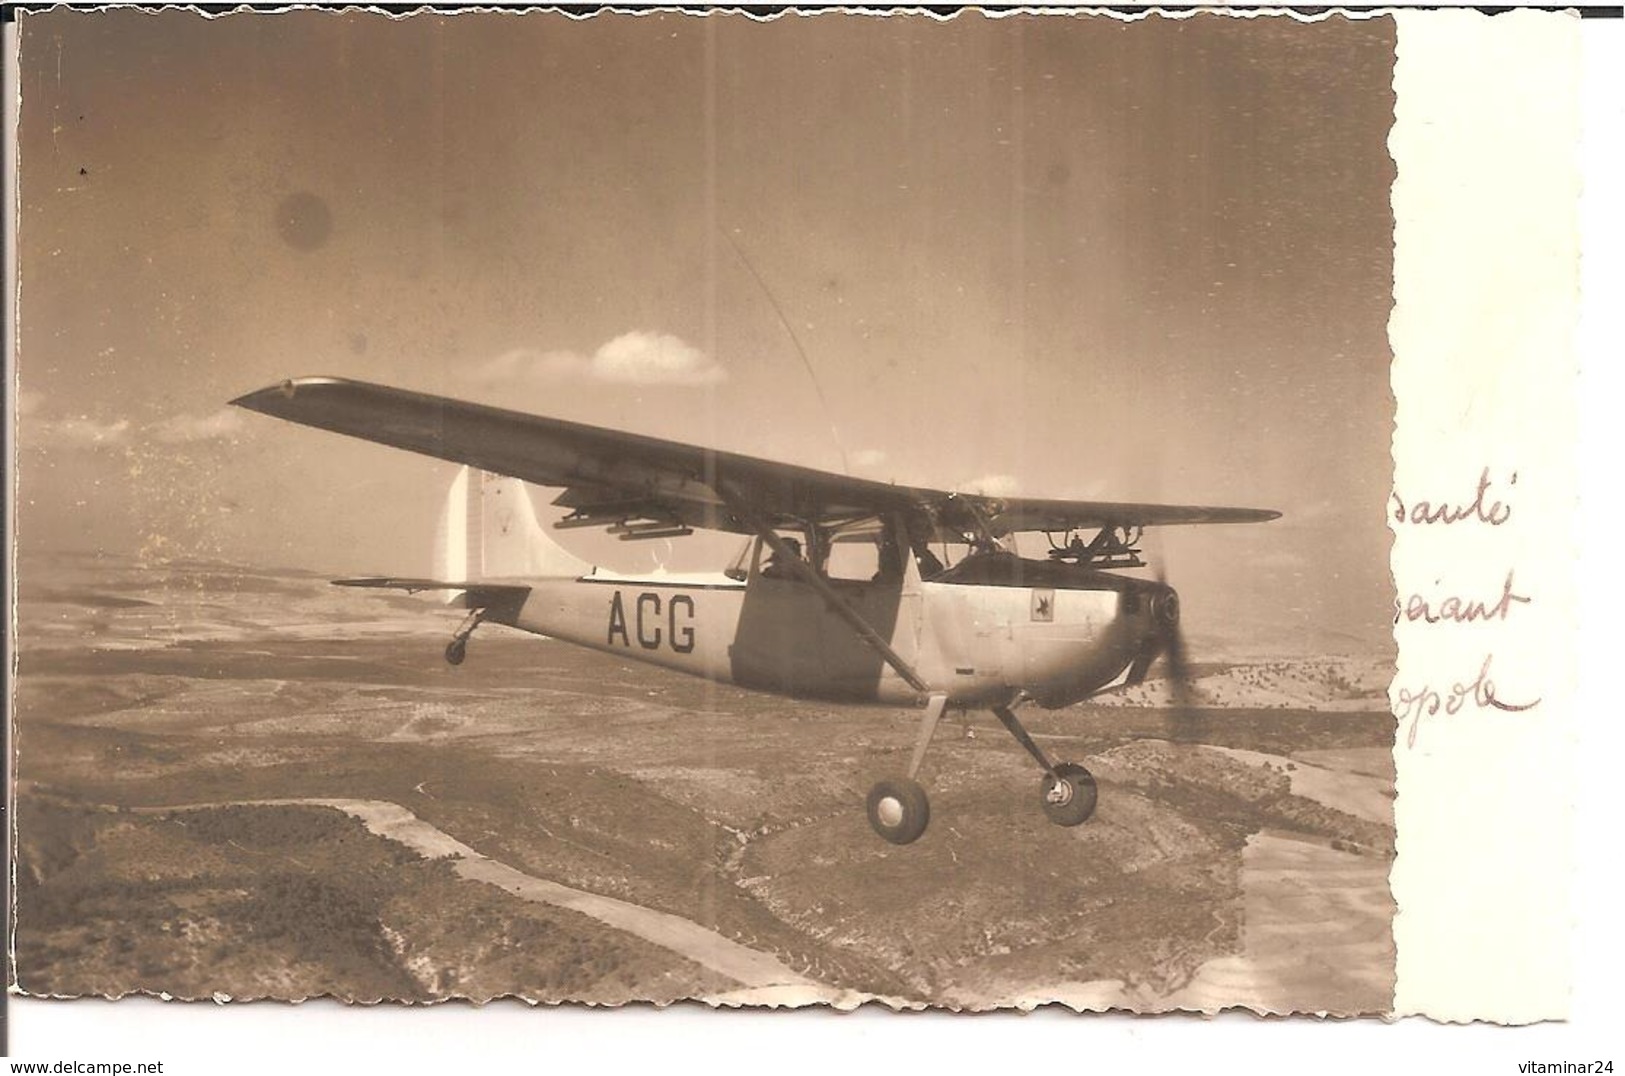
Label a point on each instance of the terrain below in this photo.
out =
(254, 785)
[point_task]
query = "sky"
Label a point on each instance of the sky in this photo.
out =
(1059, 256)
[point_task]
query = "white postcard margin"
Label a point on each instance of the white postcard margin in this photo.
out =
(1485, 376)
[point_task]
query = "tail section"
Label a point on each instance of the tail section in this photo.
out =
(489, 530)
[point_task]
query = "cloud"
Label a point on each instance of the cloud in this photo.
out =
(634, 358)
(83, 432)
(654, 359)
(992, 485)
(868, 457)
(185, 429)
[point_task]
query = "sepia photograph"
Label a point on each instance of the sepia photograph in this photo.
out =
(816, 510)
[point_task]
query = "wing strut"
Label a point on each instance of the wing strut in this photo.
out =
(839, 605)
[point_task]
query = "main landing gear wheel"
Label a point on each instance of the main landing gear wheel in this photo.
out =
(899, 810)
(1069, 794)
(457, 649)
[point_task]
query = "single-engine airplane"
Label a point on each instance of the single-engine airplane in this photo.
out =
(993, 630)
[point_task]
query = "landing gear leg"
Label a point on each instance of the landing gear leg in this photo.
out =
(1068, 789)
(898, 807)
(457, 649)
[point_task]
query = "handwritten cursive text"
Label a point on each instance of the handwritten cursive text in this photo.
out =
(1425, 702)
(1480, 509)
(1457, 610)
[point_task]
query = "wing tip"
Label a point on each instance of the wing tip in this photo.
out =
(286, 389)
(1246, 515)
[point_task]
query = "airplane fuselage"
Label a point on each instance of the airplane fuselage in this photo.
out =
(1058, 638)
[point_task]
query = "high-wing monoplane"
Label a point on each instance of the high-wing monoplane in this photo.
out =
(797, 614)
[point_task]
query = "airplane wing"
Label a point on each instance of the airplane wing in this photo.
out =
(610, 477)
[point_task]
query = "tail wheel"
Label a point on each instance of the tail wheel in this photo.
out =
(899, 810)
(1069, 794)
(456, 651)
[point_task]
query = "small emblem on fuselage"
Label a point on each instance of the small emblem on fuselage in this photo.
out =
(1044, 605)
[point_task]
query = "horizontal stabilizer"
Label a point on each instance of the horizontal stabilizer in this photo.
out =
(475, 595)
(412, 586)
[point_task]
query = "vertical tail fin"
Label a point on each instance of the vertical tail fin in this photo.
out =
(489, 530)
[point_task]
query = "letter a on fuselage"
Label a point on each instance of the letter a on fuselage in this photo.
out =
(617, 621)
